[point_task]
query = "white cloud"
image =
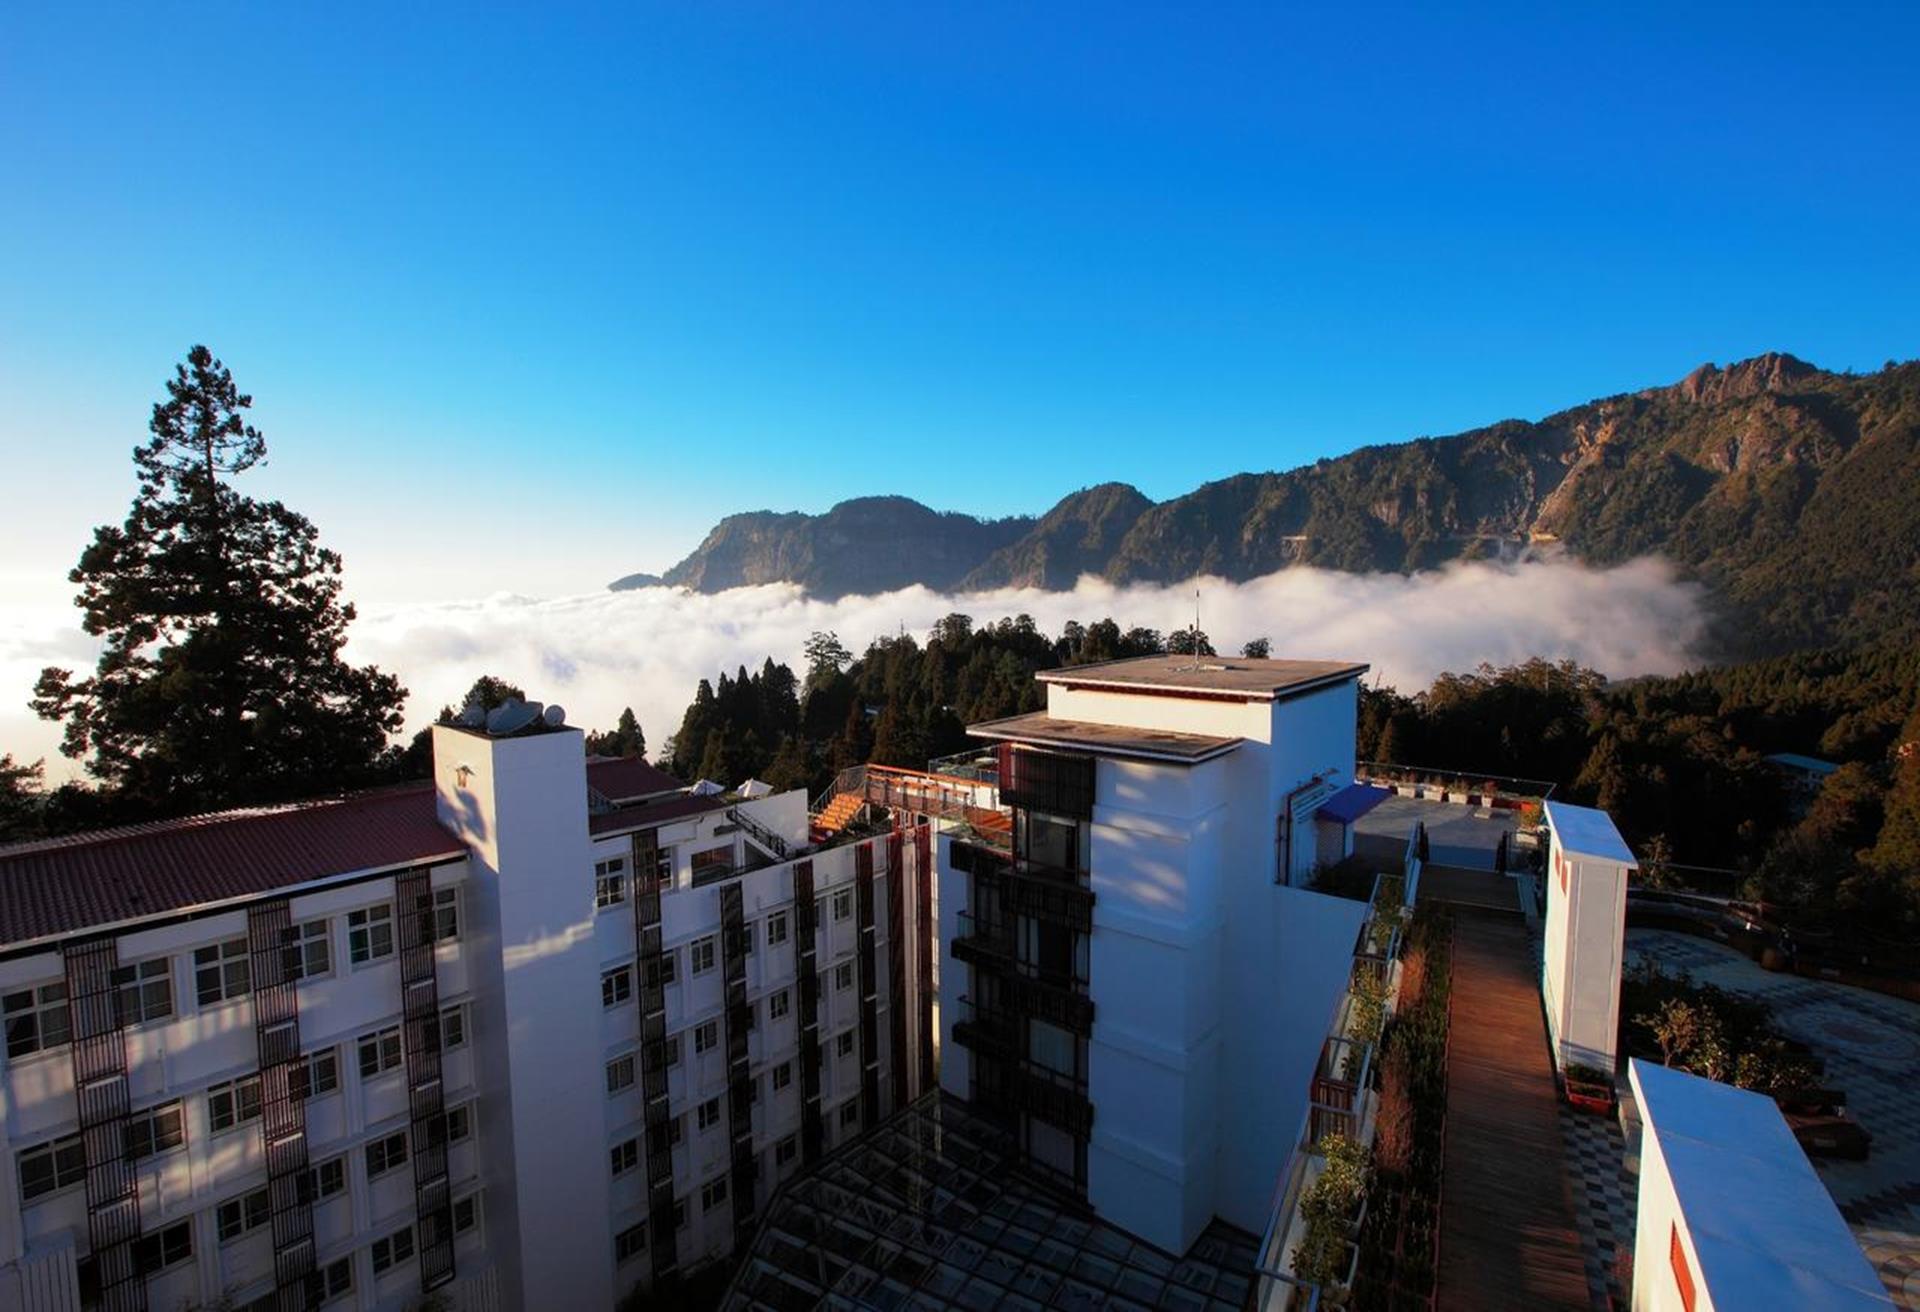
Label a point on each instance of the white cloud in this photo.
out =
(597, 653)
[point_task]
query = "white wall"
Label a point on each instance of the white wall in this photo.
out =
(521, 806)
(1583, 951)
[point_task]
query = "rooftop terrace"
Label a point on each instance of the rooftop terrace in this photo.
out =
(1241, 678)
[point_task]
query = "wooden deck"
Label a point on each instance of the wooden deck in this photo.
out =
(1507, 1236)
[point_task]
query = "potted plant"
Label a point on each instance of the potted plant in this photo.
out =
(1589, 1088)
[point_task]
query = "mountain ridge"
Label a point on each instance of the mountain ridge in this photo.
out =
(1773, 481)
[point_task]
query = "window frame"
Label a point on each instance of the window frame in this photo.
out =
(66, 1159)
(38, 1010)
(706, 1036)
(779, 1004)
(236, 1092)
(623, 1072)
(376, 923)
(776, 928)
(145, 1121)
(296, 949)
(138, 979)
(162, 1240)
(609, 883)
(707, 1115)
(623, 1157)
(616, 987)
(842, 904)
(253, 1209)
(379, 1039)
(707, 946)
(630, 1243)
(387, 1145)
(306, 1069)
(399, 1248)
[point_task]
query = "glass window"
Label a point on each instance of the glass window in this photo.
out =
(844, 1044)
(843, 975)
(776, 929)
(620, 1073)
(666, 969)
(453, 1027)
(672, 1043)
(379, 1052)
(392, 1250)
(609, 882)
(466, 1213)
(786, 1150)
(237, 1216)
(713, 1193)
(233, 1103)
(850, 1113)
(1052, 1047)
(782, 1076)
(154, 1130)
(163, 1248)
(843, 904)
(714, 863)
(709, 1114)
(460, 1123)
(334, 1280)
(616, 986)
(324, 1180)
(222, 972)
(706, 1036)
(1052, 841)
(37, 1019)
(630, 1243)
(51, 1166)
(317, 1075)
(144, 990)
(625, 1156)
(387, 1153)
(748, 932)
(702, 954)
(308, 950)
(779, 1004)
(369, 934)
(440, 911)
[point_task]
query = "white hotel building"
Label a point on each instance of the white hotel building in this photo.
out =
(531, 1036)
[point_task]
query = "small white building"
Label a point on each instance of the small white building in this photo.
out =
(1588, 867)
(1731, 1216)
(1141, 985)
(528, 1036)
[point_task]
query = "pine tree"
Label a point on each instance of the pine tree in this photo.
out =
(22, 800)
(625, 740)
(221, 680)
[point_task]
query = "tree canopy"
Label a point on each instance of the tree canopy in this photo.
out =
(221, 680)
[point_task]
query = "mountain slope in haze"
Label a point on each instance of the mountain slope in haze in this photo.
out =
(868, 544)
(1794, 493)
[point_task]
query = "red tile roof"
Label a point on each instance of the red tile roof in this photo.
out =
(61, 886)
(628, 778)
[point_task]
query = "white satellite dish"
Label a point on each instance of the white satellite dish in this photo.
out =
(555, 716)
(511, 716)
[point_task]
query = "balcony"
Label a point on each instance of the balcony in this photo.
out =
(1055, 782)
(1029, 888)
(1023, 1086)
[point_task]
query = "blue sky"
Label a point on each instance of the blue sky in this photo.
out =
(527, 301)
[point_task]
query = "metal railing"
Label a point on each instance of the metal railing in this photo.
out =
(760, 834)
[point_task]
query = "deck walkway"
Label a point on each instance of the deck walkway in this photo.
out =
(1507, 1236)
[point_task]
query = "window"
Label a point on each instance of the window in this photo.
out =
(48, 1167)
(786, 1150)
(782, 1076)
(466, 1213)
(665, 970)
(441, 912)
(324, 1180)
(620, 1074)
(844, 1044)
(392, 1250)
(616, 986)
(679, 1214)
(37, 1019)
(387, 1154)
(706, 1036)
(776, 929)
(713, 1193)
(334, 1280)
(459, 1122)
(676, 1131)
(702, 951)
(307, 951)
(843, 904)
(673, 1051)
(850, 1113)
(156, 1129)
(630, 1243)
(609, 882)
(779, 1004)
(222, 972)
(379, 1052)
(237, 1216)
(317, 1074)
(709, 1113)
(144, 991)
(624, 1156)
(233, 1103)
(370, 937)
(453, 1027)
(163, 1248)
(843, 975)
(714, 863)
(748, 932)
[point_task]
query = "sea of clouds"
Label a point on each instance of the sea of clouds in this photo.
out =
(647, 649)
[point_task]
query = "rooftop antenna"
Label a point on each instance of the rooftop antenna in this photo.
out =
(1193, 651)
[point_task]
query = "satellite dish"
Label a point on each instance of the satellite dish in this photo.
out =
(473, 717)
(555, 716)
(511, 716)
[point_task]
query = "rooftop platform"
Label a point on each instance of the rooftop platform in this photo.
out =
(929, 1210)
(1457, 834)
(1238, 678)
(1042, 729)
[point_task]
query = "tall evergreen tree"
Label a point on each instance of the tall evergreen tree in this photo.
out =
(625, 740)
(221, 680)
(22, 800)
